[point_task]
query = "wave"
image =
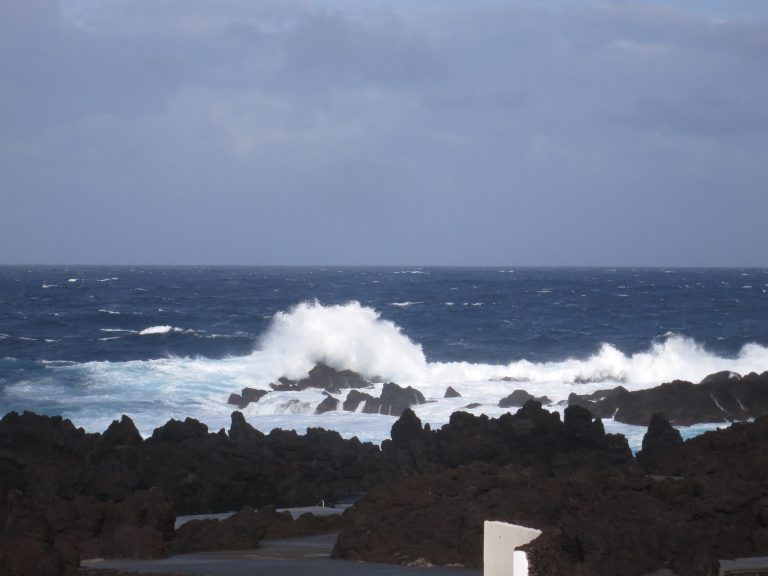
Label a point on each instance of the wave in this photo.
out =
(404, 304)
(45, 286)
(105, 311)
(351, 336)
(159, 330)
(106, 279)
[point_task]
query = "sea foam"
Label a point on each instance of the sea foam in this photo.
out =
(356, 337)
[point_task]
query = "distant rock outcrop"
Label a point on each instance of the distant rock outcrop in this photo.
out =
(246, 396)
(324, 377)
(329, 404)
(720, 397)
(450, 392)
(520, 397)
(393, 400)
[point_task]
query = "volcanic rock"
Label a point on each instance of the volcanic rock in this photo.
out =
(661, 437)
(121, 433)
(602, 523)
(325, 377)
(720, 397)
(246, 396)
(450, 392)
(329, 404)
(177, 431)
(240, 432)
(393, 400)
(241, 531)
(531, 438)
(354, 398)
(520, 397)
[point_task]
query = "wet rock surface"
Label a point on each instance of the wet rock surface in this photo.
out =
(246, 396)
(519, 397)
(325, 378)
(720, 397)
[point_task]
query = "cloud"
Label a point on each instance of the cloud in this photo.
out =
(438, 133)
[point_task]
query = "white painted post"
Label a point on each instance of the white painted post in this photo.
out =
(499, 542)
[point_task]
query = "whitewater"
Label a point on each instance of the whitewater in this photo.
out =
(156, 382)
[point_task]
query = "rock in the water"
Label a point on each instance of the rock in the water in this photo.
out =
(324, 377)
(247, 396)
(329, 404)
(520, 397)
(394, 399)
(354, 398)
(720, 397)
(450, 392)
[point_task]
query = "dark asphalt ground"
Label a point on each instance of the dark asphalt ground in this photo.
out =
(308, 556)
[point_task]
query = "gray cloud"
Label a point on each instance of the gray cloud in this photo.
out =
(288, 132)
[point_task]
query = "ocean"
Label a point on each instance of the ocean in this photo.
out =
(94, 342)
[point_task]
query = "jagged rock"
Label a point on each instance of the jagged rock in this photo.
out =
(354, 398)
(601, 523)
(241, 531)
(253, 394)
(472, 405)
(329, 404)
(659, 438)
(121, 433)
(325, 377)
(720, 397)
(176, 431)
(407, 429)
(246, 396)
(240, 432)
(450, 392)
(532, 438)
(520, 397)
(393, 400)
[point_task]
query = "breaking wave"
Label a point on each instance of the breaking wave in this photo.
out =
(356, 337)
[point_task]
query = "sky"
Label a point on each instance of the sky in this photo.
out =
(418, 132)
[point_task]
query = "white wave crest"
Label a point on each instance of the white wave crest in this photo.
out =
(159, 330)
(404, 304)
(105, 311)
(675, 358)
(45, 286)
(348, 336)
(355, 337)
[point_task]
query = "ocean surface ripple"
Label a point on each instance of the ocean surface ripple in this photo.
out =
(92, 343)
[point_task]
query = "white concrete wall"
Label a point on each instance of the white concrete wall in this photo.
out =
(499, 542)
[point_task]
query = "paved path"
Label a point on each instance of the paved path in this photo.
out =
(308, 556)
(295, 512)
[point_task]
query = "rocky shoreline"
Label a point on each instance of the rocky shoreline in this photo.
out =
(67, 495)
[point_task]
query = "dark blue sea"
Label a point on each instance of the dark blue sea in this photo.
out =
(93, 342)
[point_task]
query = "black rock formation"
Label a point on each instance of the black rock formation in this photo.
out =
(520, 397)
(720, 397)
(324, 377)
